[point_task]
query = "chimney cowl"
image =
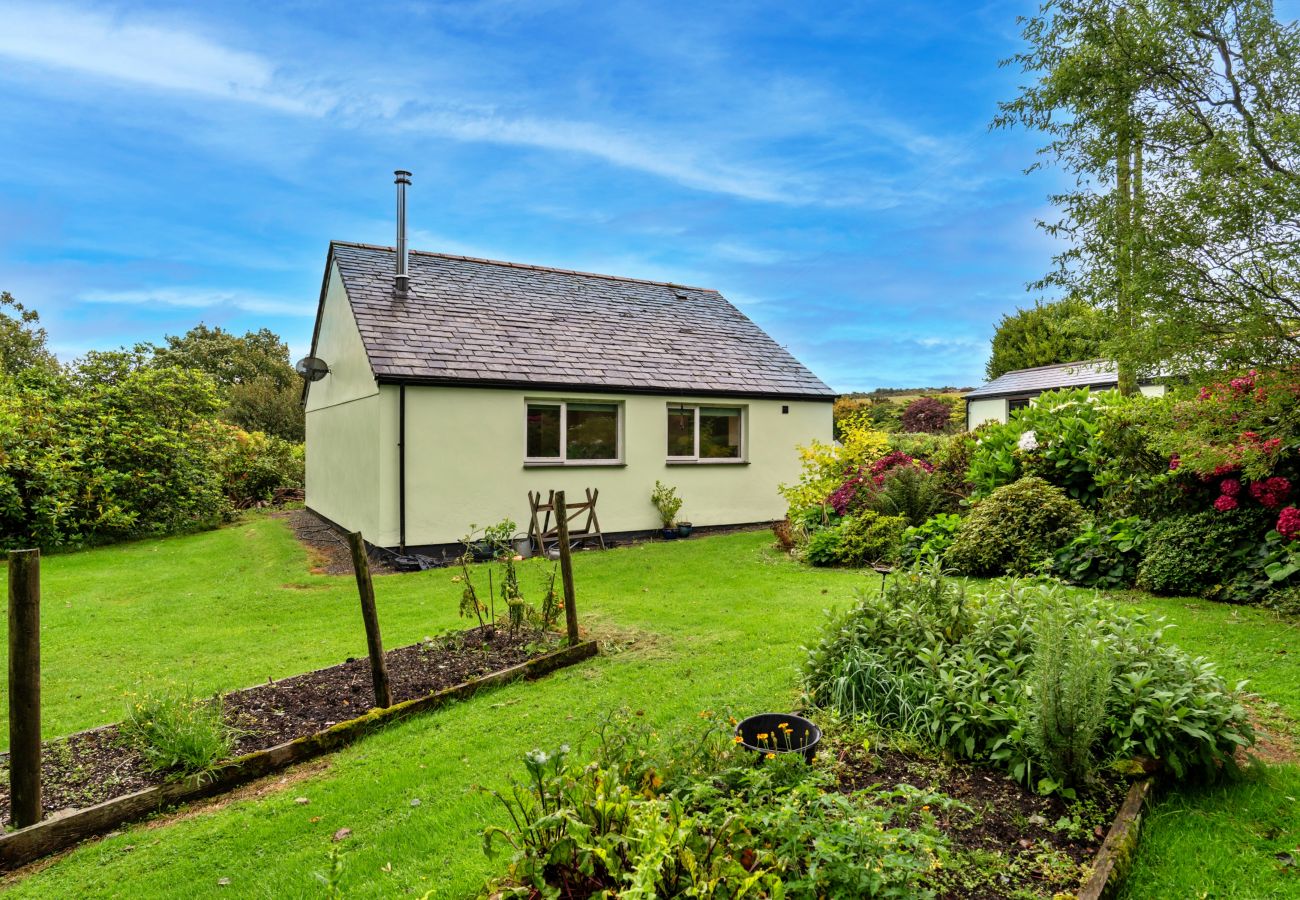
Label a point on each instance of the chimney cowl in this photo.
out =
(402, 277)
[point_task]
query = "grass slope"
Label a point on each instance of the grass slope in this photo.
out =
(708, 623)
(717, 622)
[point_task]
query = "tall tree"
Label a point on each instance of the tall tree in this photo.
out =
(1045, 334)
(22, 339)
(260, 388)
(1179, 122)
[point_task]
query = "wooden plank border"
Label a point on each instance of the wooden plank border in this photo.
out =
(1115, 857)
(17, 848)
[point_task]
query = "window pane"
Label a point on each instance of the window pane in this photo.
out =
(719, 433)
(681, 431)
(593, 431)
(543, 432)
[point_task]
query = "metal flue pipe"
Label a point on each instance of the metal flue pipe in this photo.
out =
(402, 278)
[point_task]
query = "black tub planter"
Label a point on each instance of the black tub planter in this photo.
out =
(779, 733)
(684, 529)
(669, 533)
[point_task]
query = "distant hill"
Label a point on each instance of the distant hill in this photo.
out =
(905, 393)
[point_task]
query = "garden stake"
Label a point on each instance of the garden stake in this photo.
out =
(25, 686)
(566, 567)
(378, 668)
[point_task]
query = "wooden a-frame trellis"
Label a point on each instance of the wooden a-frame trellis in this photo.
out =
(545, 535)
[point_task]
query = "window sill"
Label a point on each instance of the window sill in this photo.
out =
(706, 462)
(577, 464)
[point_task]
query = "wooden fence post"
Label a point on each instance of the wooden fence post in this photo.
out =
(366, 588)
(566, 566)
(25, 686)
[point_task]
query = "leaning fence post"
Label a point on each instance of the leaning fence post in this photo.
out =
(566, 566)
(25, 686)
(366, 588)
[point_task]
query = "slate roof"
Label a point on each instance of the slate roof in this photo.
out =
(478, 321)
(1088, 373)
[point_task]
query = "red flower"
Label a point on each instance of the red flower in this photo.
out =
(1288, 523)
(1224, 469)
(1225, 503)
(1271, 492)
(1174, 463)
(1230, 487)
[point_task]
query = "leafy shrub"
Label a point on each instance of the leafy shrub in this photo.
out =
(666, 503)
(824, 467)
(1015, 529)
(176, 731)
(1103, 556)
(692, 816)
(1194, 552)
(931, 539)
(869, 538)
(920, 445)
(112, 450)
(1057, 438)
(927, 415)
(953, 670)
(823, 548)
(1070, 671)
(253, 467)
(910, 492)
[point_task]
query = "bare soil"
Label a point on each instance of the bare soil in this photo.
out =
(1011, 828)
(97, 765)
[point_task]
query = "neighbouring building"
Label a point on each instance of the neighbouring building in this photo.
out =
(996, 400)
(457, 385)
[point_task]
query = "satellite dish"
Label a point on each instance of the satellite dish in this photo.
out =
(312, 368)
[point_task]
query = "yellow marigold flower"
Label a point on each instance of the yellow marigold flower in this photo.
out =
(771, 756)
(763, 736)
(738, 739)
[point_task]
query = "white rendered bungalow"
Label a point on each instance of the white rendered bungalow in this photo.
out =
(454, 392)
(996, 400)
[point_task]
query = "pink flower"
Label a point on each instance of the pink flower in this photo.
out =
(1174, 463)
(1224, 469)
(1271, 492)
(1225, 503)
(1230, 487)
(1288, 523)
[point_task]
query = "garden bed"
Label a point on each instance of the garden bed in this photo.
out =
(1005, 839)
(93, 766)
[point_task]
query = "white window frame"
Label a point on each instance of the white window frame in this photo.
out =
(563, 458)
(695, 416)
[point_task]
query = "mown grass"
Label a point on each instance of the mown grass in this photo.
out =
(1223, 841)
(709, 623)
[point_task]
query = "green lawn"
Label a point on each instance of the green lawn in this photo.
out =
(709, 623)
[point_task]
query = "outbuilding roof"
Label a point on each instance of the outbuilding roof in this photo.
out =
(474, 321)
(1088, 373)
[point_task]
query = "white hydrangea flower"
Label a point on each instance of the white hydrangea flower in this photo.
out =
(1028, 441)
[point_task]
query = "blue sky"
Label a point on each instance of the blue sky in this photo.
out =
(828, 167)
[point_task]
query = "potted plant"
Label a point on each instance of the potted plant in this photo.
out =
(684, 529)
(668, 504)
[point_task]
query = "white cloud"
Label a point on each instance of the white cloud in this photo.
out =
(201, 298)
(157, 56)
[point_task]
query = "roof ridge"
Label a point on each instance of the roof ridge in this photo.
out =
(529, 266)
(1064, 365)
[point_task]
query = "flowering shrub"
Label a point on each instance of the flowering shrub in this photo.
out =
(1057, 438)
(1288, 523)
(1248, 425)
